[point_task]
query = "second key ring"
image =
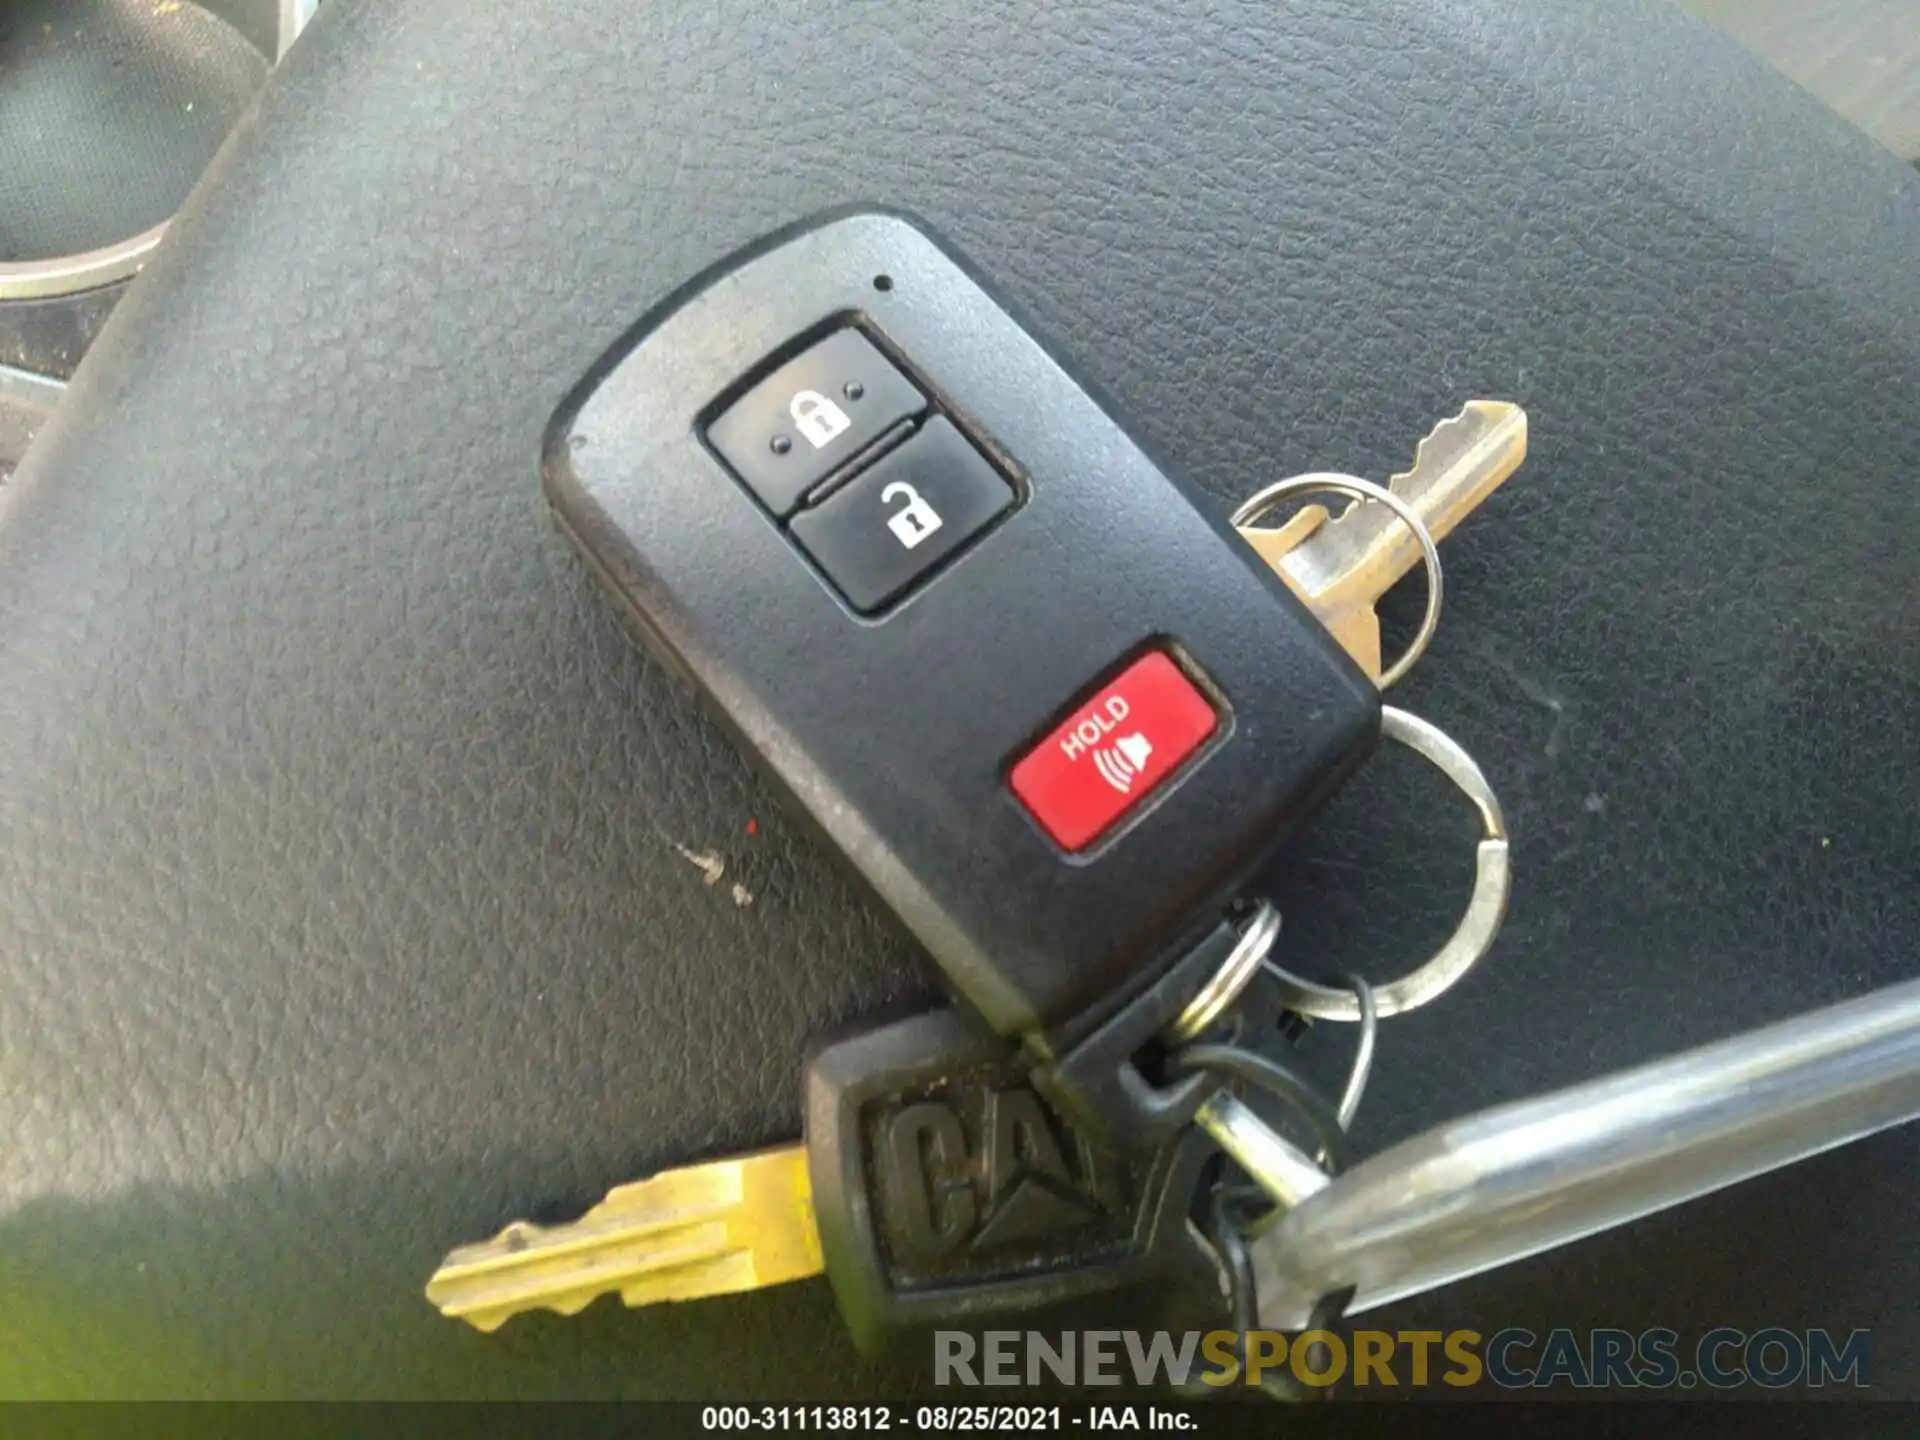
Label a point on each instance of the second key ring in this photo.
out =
(1321, 483)
(1493, 880)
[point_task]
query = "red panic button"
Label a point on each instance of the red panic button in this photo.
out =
(1113, 751)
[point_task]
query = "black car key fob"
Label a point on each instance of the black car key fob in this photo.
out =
(1051, 709)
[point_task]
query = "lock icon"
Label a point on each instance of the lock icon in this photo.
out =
(916, 520)
(817, 417)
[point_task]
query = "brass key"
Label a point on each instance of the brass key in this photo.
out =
(939, 1177)
(712, 1229)
(1342, 566)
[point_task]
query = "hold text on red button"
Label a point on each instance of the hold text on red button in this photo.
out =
(1114, 751)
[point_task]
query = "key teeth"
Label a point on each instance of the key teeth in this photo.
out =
(1486, 416)
(490, 1319)
(512, 1239)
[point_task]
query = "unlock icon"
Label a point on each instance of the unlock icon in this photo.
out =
(914, 521)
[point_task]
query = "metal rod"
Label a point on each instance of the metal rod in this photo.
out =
(1282, 1170)
(1519, 1179)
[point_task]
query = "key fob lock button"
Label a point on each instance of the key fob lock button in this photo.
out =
(810, 416)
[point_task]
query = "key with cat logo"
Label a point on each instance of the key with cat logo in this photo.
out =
(1341, 566)
(936, 1183)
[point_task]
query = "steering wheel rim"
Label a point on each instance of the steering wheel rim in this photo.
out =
(343, 836)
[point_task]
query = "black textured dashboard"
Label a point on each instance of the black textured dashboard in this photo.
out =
(344, 905)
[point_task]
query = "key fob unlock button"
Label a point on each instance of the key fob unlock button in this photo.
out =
(1114, 751)
(903, 515)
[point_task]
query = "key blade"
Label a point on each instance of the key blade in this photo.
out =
(1357, 556)
(714, 1229)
